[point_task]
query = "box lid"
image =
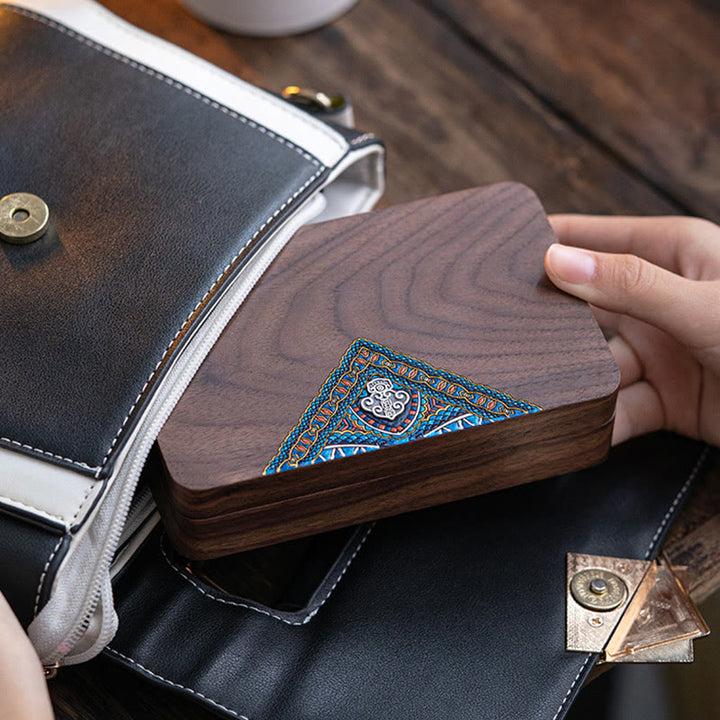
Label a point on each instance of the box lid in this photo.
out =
(386, 362)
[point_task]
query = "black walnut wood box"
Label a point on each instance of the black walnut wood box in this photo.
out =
(384, 363)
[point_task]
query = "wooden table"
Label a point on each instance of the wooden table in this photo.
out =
(610, 108)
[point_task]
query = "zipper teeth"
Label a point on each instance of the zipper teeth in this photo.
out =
(130, 545)
(237, 293)
(139, 508)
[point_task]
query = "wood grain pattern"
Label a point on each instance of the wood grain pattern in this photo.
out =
(450, 117)
(694, 540)
(455, 281)
(641, 80)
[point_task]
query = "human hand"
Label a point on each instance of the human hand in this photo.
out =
(654, 284)
(23, 690)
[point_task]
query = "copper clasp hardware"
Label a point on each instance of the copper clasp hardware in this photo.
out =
(51, 670)
(631, 611)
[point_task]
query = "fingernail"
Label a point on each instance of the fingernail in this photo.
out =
(570, 264)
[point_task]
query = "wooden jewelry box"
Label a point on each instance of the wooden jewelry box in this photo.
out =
(384, 363)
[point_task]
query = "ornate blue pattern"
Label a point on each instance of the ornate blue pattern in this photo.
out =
(377, 397)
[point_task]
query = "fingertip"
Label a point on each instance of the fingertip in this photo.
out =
(569, 265)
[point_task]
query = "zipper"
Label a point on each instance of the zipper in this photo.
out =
(166, 397)
(140, 507)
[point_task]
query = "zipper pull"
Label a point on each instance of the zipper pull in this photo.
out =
(51, 670)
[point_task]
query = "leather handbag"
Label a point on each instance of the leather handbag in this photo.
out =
(159, 188)
(457, 611)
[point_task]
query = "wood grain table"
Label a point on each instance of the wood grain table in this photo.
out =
(600, 108)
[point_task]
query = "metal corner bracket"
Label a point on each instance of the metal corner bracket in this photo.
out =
(631, 611)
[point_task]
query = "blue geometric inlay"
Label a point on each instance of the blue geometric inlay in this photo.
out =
(377, 397)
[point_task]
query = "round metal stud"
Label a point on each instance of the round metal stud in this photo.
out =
(24, 218)
(598, 589)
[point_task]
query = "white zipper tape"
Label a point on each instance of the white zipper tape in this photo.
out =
(74, 600)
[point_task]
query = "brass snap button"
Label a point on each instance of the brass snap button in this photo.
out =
(24, 218)
(598, 589)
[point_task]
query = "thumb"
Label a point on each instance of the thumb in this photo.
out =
(632, 286)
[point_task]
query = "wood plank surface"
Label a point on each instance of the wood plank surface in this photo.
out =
(639, 79)
(609, 108)
(451, 118)
(694, 540)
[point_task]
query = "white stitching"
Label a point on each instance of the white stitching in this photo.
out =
(678, 497)
(82, 502)
(230, 602)
(264, 611)
(362, 138)
(45, 513)
(280, 105)
(217, 106)
(44, 573)
(570, 689)
(177, 685)
(192, 312)
(674, 504)
(45, 452)
(158, 76)
(683, 490)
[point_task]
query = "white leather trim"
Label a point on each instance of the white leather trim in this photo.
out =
(46, 490)
(355, 185)
(95, 22)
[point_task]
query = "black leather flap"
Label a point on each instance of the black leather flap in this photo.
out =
(453, 612)
(155, 193)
